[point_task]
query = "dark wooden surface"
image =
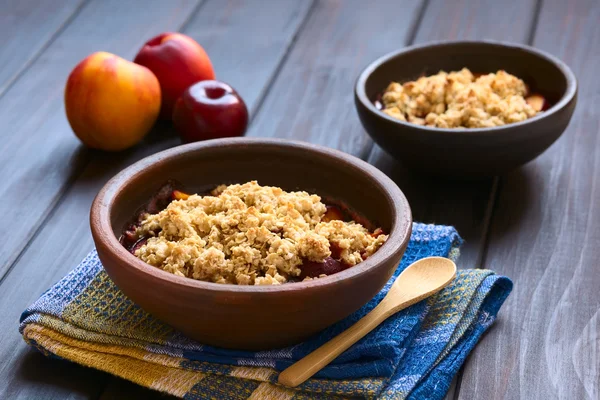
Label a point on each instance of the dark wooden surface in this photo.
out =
(39, 156)
(26, 28)
(295, 63)
(545, 234)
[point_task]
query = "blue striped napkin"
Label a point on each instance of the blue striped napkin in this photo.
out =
(414, 354)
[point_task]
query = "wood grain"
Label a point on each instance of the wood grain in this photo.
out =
(40, 154)
(120, 389)
(545, 344)
(264, 31)
(545, 234)
(26, 28)
(311, 99)
(65, 239)
(42, 382)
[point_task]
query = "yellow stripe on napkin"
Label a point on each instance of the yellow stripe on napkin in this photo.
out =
(272, 392)
(136, 365)
(256, 373)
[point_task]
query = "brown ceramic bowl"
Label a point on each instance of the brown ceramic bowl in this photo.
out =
(251, 317)
(466, 152)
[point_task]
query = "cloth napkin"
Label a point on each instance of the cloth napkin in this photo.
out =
(414, 354)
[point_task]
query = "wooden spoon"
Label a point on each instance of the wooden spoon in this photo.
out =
(420, 280)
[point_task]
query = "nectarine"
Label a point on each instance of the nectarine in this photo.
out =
(111, 103)
(332, 214)
(536, 102)
(178, 62)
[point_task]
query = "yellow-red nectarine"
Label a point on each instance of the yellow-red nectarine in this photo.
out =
(111, 103)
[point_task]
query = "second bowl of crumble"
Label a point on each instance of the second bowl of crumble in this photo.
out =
(250, 243)
(466, 109)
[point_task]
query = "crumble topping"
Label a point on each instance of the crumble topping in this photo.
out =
(459, 99)
(249, 235)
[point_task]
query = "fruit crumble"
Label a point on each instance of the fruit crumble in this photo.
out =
(249, 234)
(461, 100)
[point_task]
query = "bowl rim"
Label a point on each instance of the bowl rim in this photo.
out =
(102, 230)
(567, 97)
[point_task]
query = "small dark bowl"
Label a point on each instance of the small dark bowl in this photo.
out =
(251, 317)
(466, 152)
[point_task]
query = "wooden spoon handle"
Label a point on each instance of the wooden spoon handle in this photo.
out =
(315, 361)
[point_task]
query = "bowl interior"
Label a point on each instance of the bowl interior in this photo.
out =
(287, 166)
(541, 74)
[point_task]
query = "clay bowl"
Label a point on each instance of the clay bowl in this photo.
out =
(251, 317)
(467, 153)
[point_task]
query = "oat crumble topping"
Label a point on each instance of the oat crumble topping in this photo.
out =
(249, 235)
(459, 99)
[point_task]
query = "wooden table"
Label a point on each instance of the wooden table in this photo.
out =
(295, 63)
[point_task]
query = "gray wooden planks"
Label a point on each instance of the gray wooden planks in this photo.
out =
(120, 389)
(64, 239)
(40, 154)
(477, 20)
(26, 27)
(312, 99)
(545, 234)
(263, 34)
(545, 345)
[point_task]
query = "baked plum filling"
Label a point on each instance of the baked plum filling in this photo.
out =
(130, 238)
(313, 269)
(325, 236)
